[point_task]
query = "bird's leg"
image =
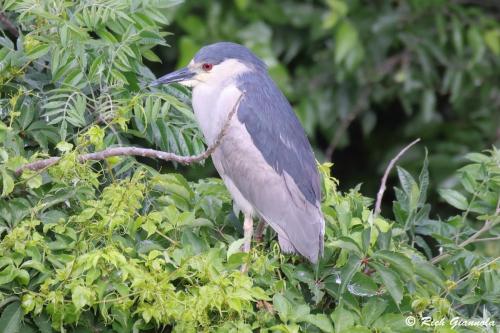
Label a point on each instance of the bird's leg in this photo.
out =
(259, 231)
(247, 233)
(247, 236)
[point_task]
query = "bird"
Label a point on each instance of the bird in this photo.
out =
(264, 157)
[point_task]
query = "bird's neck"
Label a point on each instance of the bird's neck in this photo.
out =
(212, 104)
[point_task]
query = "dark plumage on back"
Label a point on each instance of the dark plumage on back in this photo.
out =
(277, 132)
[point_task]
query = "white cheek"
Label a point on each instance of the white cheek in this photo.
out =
(189, 83)
(199, 78)
(229, 69)
(219, 75)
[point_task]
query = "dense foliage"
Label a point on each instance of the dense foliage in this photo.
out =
(119, 246)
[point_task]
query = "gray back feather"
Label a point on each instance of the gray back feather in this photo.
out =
(277, 132)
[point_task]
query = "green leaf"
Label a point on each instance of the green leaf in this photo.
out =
(107, 36)
(393, 322)
(348, 271)
(81, 296)
(64, 147)
(321, 321)
(342, 319)
(372, 310)
(366, 237)
(429, 272)
(406, 179)
(235, 247)
(391, 280)
(151, 56)
(299, 312)
(149, 226)
(477, 157)
(282, 306)
(347, 244)
(33, 179)
(43, 323)
(454, 198)
(7, 183)
(397, 261)
(457, 35)
(23, 276)
(28, 303)
(10, 321)
(423, 180)
(346, 40)
(492, 39)
(38, 51)
(362, 285)
(7, 275)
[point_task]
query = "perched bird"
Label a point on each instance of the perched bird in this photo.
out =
(264, 157)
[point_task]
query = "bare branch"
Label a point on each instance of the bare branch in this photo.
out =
(346, 122)
(362, 103)
(8, 25)
(136, 151)
(488, 224)
(381, 190)
(489, 239)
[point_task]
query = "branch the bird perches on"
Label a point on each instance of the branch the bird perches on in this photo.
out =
(136, 151)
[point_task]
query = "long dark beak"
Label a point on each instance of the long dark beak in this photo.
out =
(177, 76)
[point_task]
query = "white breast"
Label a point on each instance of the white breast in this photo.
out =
(212, 105)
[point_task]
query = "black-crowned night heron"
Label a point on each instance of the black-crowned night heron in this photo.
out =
(264, 157)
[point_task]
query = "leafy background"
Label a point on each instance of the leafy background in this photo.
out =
(138, 245)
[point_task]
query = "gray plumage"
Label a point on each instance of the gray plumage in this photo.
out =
(277, 133)
(264, 158)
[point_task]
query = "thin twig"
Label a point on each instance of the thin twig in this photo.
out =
(478, 268)
(489, 239)
(359, 107)
(362, 103)
(381, 190)
(8, 25)
(488, 224)
(136, 151)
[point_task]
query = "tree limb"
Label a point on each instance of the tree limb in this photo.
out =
(381, 190)
(8, 25)
(136, 151)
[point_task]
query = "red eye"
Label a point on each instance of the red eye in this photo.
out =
(206, 67)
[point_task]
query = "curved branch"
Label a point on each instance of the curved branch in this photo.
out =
(381, 190)
(136, 151)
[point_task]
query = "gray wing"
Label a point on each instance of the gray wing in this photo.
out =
(270, 161)
(277, 133)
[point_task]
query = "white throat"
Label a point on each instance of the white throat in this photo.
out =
(215, 95)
